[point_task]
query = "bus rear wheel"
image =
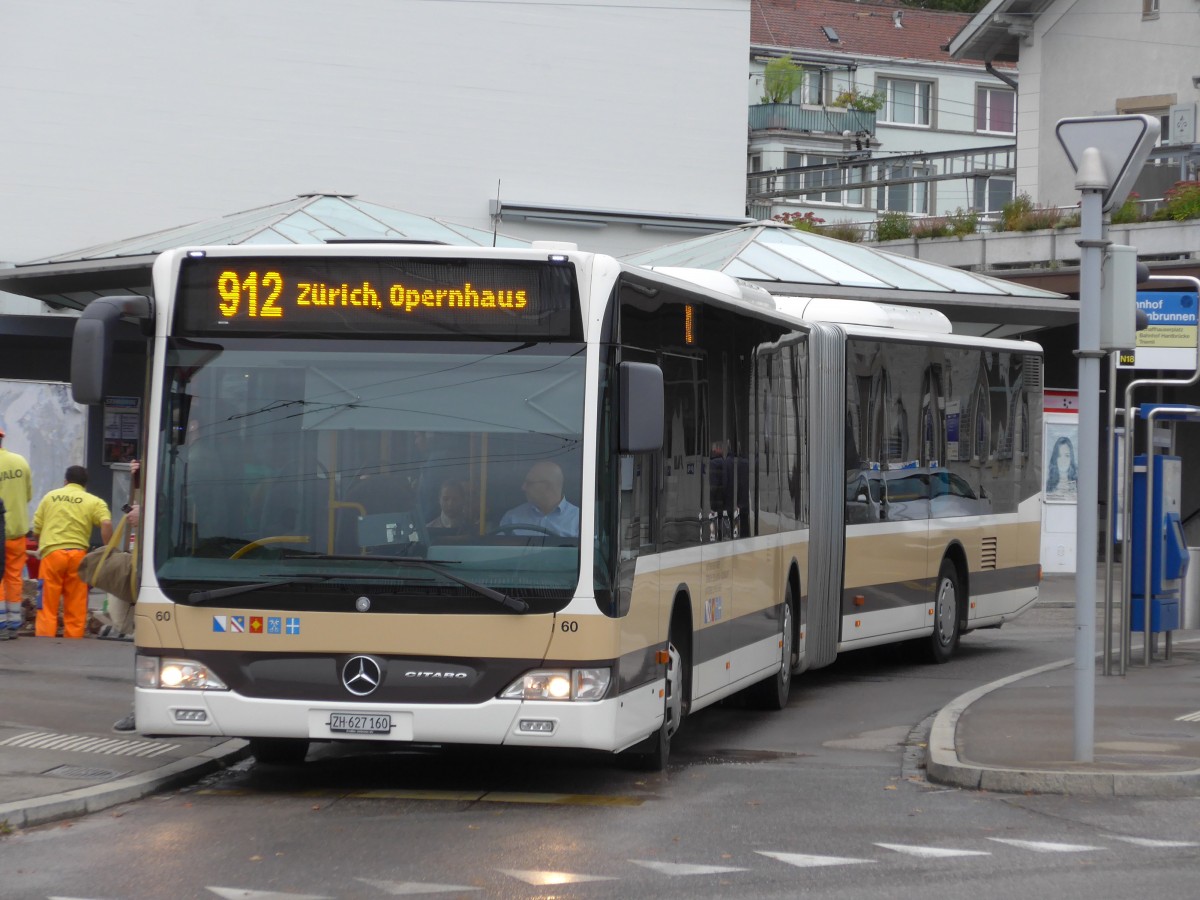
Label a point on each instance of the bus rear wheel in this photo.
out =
(947, 600)
(278, 751)
(773, 692)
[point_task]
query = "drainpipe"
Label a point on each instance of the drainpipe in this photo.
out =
(1007, 79)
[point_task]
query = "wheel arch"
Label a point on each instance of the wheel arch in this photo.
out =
(800, 619)
(679, 625)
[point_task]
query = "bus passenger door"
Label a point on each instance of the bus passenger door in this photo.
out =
(688, 532)
(715, 622)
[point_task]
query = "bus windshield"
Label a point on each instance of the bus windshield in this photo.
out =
(295, 472)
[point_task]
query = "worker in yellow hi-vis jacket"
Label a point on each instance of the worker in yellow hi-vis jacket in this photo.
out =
(63, 525)
(16, 490)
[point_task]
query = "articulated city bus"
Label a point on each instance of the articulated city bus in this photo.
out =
(425, 494)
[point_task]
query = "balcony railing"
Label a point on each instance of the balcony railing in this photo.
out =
(790, 117)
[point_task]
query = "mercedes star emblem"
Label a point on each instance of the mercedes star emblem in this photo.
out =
(361, 675)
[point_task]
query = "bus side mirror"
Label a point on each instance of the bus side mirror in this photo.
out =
(92, 343)
(642, 407)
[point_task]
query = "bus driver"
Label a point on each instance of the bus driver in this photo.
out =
(547, 508)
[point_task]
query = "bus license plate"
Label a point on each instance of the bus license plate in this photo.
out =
(360, 723)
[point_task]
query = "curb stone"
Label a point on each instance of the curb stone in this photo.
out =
(82, 801)
(944, 766)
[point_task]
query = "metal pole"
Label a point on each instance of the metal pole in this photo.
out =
(1109, 492)
(1091, 243)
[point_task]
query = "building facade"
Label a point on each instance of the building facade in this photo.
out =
(881, 117)
(598, 121)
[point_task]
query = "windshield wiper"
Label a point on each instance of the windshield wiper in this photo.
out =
(197, 597)
(416, 562)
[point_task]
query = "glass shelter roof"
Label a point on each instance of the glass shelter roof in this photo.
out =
(790, 262)
(74, 279)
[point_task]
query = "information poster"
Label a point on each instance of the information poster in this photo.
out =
(1060, 480)
(1062, 474)
(122, 429)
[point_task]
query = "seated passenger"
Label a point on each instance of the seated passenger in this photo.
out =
(455, 517)
(546, 508)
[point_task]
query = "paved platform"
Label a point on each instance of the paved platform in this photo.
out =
(1018, 734)
(59, 757)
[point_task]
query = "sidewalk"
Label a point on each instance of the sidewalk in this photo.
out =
(58, 755)
(1018, 734)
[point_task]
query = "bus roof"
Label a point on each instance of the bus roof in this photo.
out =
(865, 312)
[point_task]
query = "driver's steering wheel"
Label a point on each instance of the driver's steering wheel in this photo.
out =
(516, 527)
(275, 539)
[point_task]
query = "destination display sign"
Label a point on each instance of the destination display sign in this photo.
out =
(376, 295)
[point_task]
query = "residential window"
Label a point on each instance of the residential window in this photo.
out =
(906, 102)
(1149, 9)
(911, 196)
(855, 175)
(812, 87)
(992, 193)
(793, 181)
(757, 185)
(825, 185)
(995, 110)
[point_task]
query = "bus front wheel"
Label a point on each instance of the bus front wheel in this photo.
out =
(947, 600)
(651, 755)
(278, 751)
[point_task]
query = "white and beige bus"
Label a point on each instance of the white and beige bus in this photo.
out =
(537, 497)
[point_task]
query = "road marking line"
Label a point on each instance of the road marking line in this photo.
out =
(805, 861)
(667, 868)
(246, 894)
(544, 878)
(1149, 842)
(454, 796)
(1045, 846)
(41, 740)
(931, 852)
(408, 888)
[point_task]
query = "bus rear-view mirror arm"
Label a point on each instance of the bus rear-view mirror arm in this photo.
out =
(92, 343)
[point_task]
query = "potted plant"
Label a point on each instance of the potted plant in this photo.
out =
(853, 98)
(781, 77)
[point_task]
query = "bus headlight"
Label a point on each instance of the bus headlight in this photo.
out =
(560, 684)
(176, 674)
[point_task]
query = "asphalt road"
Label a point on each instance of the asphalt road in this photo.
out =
(823, 798)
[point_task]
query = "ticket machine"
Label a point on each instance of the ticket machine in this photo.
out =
(1168, 557)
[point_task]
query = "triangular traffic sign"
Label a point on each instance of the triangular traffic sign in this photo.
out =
(1124, 143)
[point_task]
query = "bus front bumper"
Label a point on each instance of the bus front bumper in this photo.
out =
(608, 725)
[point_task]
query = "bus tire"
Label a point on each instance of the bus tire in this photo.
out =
(278, 751)
(773, 692)
(947, 599)
(652, 754)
